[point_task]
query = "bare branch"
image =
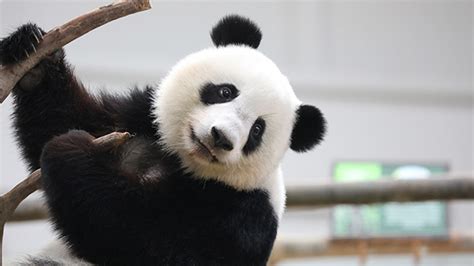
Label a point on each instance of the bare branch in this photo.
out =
(60, 36)
(29, 210)
(10, 200)
(447, 188)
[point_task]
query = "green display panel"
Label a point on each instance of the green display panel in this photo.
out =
(391, 219)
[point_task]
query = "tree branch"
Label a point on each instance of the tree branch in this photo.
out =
(10, 200)
(60, 36)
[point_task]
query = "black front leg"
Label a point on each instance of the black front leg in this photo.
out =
(48, 100)
(94, 207)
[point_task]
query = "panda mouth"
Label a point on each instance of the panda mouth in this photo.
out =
(202, 149)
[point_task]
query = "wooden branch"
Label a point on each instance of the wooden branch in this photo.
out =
(60, 36)
(382, 191)
(10, 200)
(29, 210)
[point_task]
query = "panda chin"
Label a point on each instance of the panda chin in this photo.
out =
(201, 151)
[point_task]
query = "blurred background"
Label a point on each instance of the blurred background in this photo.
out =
(393, 78)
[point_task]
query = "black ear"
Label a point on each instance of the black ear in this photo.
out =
(234, 29)
(309, 128)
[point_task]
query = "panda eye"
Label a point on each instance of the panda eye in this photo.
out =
(218, 93)
(225, 93)
(257, 130)
(255, 136)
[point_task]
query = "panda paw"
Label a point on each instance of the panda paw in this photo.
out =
(20, 44)
(69, 144)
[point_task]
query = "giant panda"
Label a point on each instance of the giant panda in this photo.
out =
(200, 183)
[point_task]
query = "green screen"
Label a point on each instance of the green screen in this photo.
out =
(391, 219)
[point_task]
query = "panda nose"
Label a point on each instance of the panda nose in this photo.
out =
(220, 140)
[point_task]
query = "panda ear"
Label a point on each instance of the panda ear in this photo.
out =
(234, 29)
(309, 128)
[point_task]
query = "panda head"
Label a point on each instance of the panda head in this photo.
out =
(229, 113)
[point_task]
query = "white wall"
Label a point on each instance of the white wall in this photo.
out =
(394, 78)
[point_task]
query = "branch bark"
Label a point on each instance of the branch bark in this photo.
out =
(10, 200)
(447, 188)
(60, 36)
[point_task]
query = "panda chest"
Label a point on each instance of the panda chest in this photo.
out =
(218, 214)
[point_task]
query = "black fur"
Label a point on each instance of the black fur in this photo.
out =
(179, 220)
(234, 29)
(213, 93)
(20, 45)
(255, 139)
(99, 199)
(309, 128)
(132, 112)
(143, 160)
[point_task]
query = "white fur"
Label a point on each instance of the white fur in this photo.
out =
(55, 253)
(264, 92)
(276, 189)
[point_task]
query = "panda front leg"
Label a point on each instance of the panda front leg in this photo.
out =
(48, 100)
(91, 203)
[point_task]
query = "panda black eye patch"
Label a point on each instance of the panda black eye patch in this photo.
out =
(218, 93)
(255, 136)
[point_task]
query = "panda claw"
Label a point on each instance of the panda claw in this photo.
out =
(27, 54)
(39, 33)
(36, 37)
(33, 46)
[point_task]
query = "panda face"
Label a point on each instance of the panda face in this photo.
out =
(229, 113)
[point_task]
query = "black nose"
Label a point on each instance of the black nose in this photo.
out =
(220, 140)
